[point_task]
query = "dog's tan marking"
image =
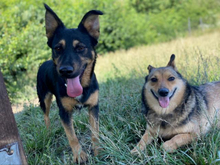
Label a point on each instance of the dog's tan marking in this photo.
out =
(92, 26)
(47, 101)
(56, 60)
(93, 99)
(63, 43)
(86, 77)
(162, 76)
(78, 153)
(94, 123)
(173, 130)
(145, 140)
(93, 54)
(75, 42)
(178, 141)
(68, 103)
(177, 97)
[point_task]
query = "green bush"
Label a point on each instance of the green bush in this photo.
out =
(126, 23)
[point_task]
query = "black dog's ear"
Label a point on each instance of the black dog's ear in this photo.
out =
(90, 23)
(150, 68)
(52, 22)
(171, 62)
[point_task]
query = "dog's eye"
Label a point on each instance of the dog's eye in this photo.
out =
(171, 78)
(58, 48)
(154, 79)
(80, 48)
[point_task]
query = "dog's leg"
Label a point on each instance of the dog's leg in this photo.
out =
(178, 141)
(66, 105)
(145, 140)
(92, 102)
(47, 102)
(79, 155)
(94, 123)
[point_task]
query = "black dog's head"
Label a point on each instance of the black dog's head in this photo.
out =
(73, 49)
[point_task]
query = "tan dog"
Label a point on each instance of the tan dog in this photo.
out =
(176, 110)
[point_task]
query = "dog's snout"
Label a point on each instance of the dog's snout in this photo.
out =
(66, 70)
(163, 92)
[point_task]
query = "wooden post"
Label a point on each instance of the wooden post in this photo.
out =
(11, 149)
(201, 24)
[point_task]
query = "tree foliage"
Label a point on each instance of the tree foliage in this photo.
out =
(126, 23)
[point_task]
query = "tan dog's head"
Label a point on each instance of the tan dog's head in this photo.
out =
(164, 87)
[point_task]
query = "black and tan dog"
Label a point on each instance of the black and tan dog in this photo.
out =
(176, 110)
(70, 75)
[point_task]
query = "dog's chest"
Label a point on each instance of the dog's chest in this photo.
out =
(160, 121)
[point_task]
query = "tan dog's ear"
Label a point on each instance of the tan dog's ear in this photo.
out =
(172, 62)
(150, 68)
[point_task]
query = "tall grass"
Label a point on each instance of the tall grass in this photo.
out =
(194, 55)
(121, 77)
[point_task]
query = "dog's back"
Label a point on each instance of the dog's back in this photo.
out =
(211, 92)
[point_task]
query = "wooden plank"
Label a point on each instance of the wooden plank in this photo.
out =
(8, 128)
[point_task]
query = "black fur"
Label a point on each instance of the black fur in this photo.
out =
(48, 77)
(73, 55)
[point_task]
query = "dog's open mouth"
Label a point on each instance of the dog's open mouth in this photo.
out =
(73, 86)
(164, 101)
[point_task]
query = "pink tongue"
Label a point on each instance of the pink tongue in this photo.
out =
(74, 87)
(164, 101)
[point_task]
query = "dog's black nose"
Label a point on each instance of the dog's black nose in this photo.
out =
(66, 70)
(163, 92)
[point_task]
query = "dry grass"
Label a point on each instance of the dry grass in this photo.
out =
(190, 53)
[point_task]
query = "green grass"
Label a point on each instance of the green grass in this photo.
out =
(121, 77)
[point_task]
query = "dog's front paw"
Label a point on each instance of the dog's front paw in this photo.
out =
(97, 150)
(140, 147)
(135, 151)
(169, 146)
(80, 157)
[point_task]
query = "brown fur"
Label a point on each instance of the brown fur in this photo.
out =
(93, 99)
(63, 43)
(48, 101)
(69, 103)
(92, 25)
(75, 42)
(93, 54)
(78, 154)
(94, 123)
(86, 76)
(190, 114)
